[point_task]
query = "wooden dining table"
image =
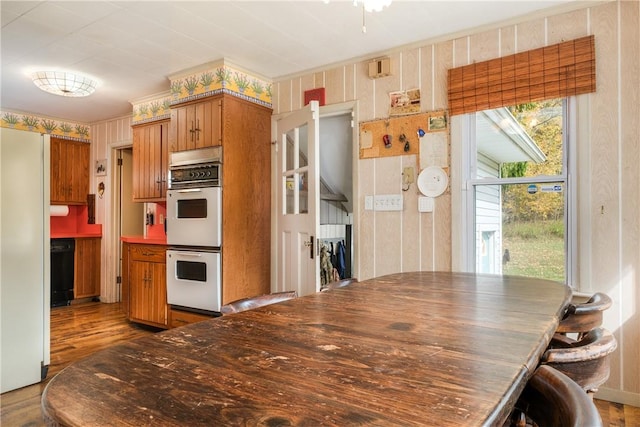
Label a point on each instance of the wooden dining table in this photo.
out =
(407, 349)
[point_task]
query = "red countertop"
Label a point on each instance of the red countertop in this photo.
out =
(155, 234)
(73, 235)
(150, 240)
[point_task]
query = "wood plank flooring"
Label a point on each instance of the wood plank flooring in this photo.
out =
(79, 330)
(76, 332)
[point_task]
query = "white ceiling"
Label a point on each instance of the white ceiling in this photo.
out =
(132, 46)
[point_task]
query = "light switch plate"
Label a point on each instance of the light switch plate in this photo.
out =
(368, 203)
(388, 202)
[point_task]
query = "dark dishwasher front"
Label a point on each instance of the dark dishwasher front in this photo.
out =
(62, 275)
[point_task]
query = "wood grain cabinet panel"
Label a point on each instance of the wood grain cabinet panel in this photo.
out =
(196, 125)
(246, 199)
(146, 284)
(179, 318)
(87, 268)
(69, 172)
(150, 161)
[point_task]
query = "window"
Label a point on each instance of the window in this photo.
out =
(519, 196)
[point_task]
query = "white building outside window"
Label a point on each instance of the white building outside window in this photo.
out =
(518, 199)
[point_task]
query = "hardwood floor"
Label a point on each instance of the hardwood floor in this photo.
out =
(79, 330)
(76, 331)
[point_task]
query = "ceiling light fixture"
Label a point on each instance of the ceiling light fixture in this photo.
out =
(64, 83)
(370, 6)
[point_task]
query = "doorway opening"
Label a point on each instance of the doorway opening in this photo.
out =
(129, 219)
(335, 237)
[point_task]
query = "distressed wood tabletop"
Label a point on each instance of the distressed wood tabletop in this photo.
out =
(421, 348)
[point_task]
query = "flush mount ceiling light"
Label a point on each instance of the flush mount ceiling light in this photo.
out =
(64, 83)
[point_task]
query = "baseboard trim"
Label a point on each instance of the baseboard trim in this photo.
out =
(618, 396)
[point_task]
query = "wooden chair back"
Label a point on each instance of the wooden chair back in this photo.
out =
(257, 301)
(339, 284)
(583, 317)
(585, 361)
(550, 398)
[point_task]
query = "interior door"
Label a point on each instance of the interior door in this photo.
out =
(298, 216)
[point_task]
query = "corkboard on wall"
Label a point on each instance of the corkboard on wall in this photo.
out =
(372, 134)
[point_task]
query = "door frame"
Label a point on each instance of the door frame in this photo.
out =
(350, 107)
(114, 263)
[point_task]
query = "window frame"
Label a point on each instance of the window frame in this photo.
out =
(568, 177)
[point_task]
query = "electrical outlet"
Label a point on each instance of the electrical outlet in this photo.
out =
(407, 175)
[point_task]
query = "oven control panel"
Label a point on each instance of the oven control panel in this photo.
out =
(203, 175)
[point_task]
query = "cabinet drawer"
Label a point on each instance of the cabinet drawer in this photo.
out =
(180, 318)
(149, 253)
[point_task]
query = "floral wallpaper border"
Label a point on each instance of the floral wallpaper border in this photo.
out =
(150, 111)
(221, 78)
(32, 123)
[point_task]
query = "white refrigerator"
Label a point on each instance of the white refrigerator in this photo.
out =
(24, 258)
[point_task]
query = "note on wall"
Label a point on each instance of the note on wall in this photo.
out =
(434, 150)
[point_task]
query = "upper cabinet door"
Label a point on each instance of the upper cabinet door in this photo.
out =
(181, 135)
(150, 161)
(69, 172)
(196, 125)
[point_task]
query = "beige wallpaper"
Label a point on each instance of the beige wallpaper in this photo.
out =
(608, 158)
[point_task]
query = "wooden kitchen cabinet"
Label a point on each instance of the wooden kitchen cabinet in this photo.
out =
(69, 172)
(246, 199)
(150, 161)
(87, 268)
(196, 125)
(243, 128)
(179, 318)
(145, 284)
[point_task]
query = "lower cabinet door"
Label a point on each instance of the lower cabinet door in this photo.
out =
(148, 293)
(87, 268)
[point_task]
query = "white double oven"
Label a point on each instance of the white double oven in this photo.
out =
(194, 230)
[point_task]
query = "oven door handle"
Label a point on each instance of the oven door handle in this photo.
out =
(189, 190)
(189, 254)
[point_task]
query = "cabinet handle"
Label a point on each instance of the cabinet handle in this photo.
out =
(198, 130)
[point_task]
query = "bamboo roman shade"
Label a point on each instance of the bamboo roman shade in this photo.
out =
(557, 71)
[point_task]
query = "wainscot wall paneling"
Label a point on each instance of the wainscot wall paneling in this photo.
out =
(630, 178)
(106, 134)
(334, 85)
(604, 182)
(507, 41)
(426, 79)
(410, 77)
(608, 155)
(410, 254)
